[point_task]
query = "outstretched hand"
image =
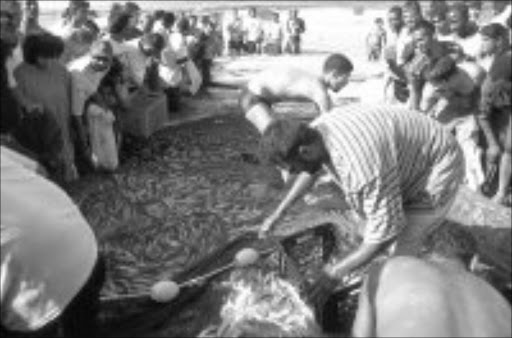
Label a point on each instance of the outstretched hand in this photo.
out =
(267, 225)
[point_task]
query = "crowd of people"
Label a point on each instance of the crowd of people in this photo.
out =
(252, 35)
(66, 94)
(449, 63)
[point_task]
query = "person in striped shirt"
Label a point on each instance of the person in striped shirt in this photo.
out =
(397, 169)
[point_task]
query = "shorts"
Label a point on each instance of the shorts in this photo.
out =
(237, 45)
(249, 100)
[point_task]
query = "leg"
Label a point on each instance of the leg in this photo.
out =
(505, 165)
(467, 136)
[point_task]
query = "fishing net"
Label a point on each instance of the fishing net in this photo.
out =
(295, 258)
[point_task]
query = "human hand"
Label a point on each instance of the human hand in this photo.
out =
(320, 291)
(267, 225)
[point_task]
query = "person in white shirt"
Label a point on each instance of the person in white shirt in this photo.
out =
(253, 32)
(51, 270)
(274, 36)
(463, 32)
(233, 30)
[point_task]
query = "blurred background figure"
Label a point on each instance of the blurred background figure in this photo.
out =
(253, 32)
(273, 36)
(295, 27)
(376, 40)
(233, 34)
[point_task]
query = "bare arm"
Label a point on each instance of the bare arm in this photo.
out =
(364, 323)
(322, 99)
(302, 184)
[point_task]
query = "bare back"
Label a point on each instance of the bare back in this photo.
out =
(417, 298)
(290, 84)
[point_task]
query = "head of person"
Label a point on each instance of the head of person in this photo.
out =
(451, 240)
(294, 146)
(132, 9)
(475, 8)
(395, 19)
(499, 6)
(336, 71)
(10, 16)
(441, 73)
(147, 22)
(276, 17)
(494, 38)
(265, 305)
(252, 12)
(423, 36)
(379, 22)
(151, 45)
(102, 55)
(40, 50)
(412, 14)
(168, 20)
(79, 11)
(92, 28)
(31, 10)
(183, 26)
(438, 19)
(192, 19)
(437, 5)
(119, 24)
(458, 17)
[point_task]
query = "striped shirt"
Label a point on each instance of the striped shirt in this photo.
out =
(388, 159)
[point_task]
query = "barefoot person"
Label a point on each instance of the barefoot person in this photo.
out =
(273, 86)
(436, 296)
(399, 170)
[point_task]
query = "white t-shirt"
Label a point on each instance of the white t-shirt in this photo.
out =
(85, 82)
(48, 249)
(253, 29)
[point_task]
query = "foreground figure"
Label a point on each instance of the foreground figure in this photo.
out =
(432, 297)
(399, 170)
(278, 85)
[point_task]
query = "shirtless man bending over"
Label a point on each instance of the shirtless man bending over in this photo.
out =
(436, 296)
(273, 86)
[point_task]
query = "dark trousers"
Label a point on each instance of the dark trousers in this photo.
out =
(79, 319)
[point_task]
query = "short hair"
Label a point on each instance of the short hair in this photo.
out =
(159, 14)
(42, 45)
(338, 63)
(183, 25)
(438, 13)
(379, 20)
(425, 25)
(461, 8)
(396, 9)
(475, 4)
(131, 7)
(443, 69)
(452, 240)
(282, 138)
(412, 5)
(168, 19)
(261, 304)
(494, 31)
(119, 23)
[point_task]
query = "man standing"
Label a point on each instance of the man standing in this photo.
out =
(295, 27)
(253, 33)
(398, 170)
